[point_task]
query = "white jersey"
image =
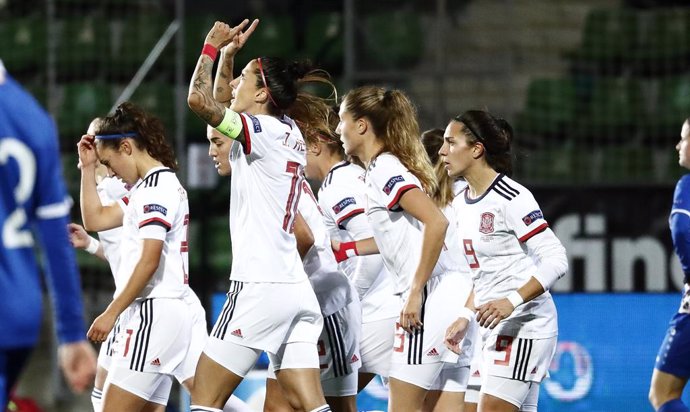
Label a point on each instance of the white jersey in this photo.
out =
(398, 234)
(111, 190)
(493, 230)
(342, 199)
(332, 288)
(157, 209)
(264, 194)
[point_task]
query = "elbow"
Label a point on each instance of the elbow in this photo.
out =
(195, 102)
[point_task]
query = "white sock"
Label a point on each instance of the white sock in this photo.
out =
(197, 408)
(97, 400)
(235, 404)
(322, 408)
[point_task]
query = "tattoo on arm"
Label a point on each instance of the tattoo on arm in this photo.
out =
(209, 110)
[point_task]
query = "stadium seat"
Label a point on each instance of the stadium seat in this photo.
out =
(82, 47)
(23, 43)
(324, 41)
(393, 39)
(616, 106)
(159, 99)
(131, 40)
(80, 103)
(550, 109)
(274, 37)
(672, 106)
(609, 40)
(627, 164)
(665, 43)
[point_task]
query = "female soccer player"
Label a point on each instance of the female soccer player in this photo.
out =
(515, 258)
(342, 200)
(158, 313)
(266, 158)
(672, 367)
(380, 128)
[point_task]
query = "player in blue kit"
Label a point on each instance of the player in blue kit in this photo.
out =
(33, 196)
(672, 367)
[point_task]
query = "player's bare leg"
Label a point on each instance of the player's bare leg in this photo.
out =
(405, 397)
(489, 403)
(664, 388)
(117, 399)
(302, 388)
(444, 401)
(275, 400)
(213, 384)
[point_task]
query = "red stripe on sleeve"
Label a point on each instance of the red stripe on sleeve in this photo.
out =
(536, 230)
(155, 221)
(401, 191)
(247, 146)
(348, 216)
(125, 200)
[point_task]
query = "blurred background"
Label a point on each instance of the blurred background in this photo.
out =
(597, 91)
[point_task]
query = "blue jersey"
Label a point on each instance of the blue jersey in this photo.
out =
(34, 209)
(679, 221)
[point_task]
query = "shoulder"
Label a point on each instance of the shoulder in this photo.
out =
(509, 189)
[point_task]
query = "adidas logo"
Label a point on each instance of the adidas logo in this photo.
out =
(156, 362)
(354, 359)
(237, 332)
(534, 371)
(432, 352)
(476, 374)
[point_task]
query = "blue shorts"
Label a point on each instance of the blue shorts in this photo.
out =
(674, 353)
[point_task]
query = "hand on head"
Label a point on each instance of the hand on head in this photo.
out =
(87, 151)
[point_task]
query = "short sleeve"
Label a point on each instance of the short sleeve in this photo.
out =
(261, 132)
(342, 206)
(524, 216)
(391, 180)
(155, 211)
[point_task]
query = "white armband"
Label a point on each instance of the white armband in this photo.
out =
(231, 125)
(93, 246)
(467, 313)
(515, 299)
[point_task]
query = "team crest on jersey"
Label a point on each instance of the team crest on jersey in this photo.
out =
(388, 188)
(153, 207)
(486, 223)
(343, 204)
(255, 123)
(532, 216)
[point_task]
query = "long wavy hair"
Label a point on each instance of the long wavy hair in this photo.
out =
(432, 140)
(150, 133)
(394, 120)
(317, 120)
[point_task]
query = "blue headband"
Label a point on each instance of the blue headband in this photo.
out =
(115, 136)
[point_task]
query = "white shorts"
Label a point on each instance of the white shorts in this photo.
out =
(105, 353)
(155, 336)
(338, 345)
(443, 297)
(199, 336)
(151, 345)
(153, 387)
(375, 346)
(474, 383)
(452, 378)
(523, 394)
(236, 358)
(517, 358)
(267, 315)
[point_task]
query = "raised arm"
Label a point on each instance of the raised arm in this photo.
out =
(200, 98)
(95, 216)
(222, 91)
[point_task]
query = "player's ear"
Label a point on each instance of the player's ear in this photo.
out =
(126, 147)
(477, 150)
(362, 125)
